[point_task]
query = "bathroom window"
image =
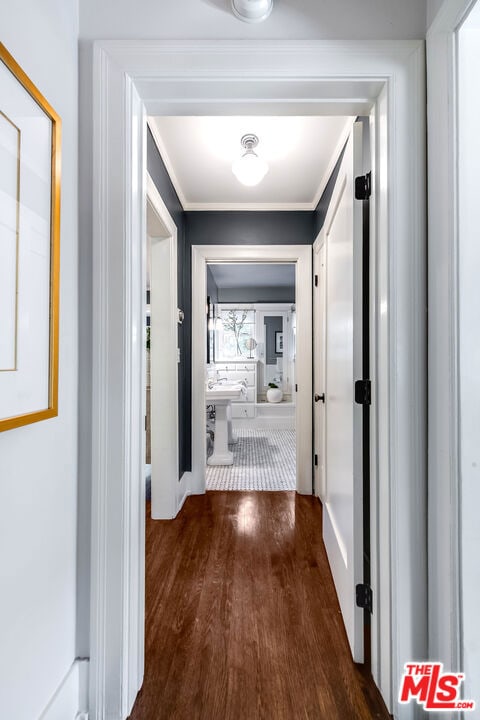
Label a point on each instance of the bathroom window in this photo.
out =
(235, 330)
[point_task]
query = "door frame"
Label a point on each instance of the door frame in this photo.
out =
(301, 256)
(444, 439)
(130, 78)
(319, 375)
(168, 489)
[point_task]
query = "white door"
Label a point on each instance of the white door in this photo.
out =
(341, 488)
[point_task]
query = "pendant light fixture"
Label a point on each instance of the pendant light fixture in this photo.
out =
(252, 11)
(249, 169)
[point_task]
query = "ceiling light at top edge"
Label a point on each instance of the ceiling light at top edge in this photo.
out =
(249, 169)
(252, 11)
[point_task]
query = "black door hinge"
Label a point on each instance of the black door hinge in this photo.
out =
(316, 460)
(363, 187)
(316, 280)
(364, 597)
(363, 392)
(296, 387)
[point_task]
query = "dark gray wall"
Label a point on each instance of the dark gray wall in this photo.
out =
(160, 177)
(257, 294)
(273, 324)
(320, 211)
(249, 228)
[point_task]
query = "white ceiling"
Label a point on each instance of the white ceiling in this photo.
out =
(240, 275)
(300, 151)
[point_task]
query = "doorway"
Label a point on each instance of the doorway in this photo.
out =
(300, 257)
(347, 70)
(251, 351)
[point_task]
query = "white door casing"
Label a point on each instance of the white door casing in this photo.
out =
(468, 59)
(444, 437)
(130, 77)
(301, 255)
(168, 489)
(343, 497)
(319, 272)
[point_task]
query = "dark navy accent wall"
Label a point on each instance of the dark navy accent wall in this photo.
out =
(160, 177)
(249, 228)
(257, 295)
(320, 211)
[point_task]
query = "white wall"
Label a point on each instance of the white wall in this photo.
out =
(433, 6)
(469, 348)
(38, 463)
(368, 19)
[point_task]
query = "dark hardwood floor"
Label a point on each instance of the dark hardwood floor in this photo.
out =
(242, 619)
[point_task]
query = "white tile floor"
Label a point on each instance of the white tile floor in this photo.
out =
(262, 460)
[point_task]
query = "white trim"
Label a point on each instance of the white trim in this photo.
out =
(249, 207)
(339, 67)
(168, 490)
(186, 480)
(301, 255)
(319, 307)
(450, 16)
(70, 701)
(118, 398)
(445, 631)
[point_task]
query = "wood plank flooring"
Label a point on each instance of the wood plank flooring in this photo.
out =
(242, 619)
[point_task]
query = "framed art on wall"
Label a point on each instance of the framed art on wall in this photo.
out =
(30, 155)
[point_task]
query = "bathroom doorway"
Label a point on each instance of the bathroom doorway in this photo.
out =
(255, 333)
(250, 377)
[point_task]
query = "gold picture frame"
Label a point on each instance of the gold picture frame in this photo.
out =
(29, 249)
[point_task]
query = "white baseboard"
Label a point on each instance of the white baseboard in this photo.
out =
(70, 701)
(186, 480)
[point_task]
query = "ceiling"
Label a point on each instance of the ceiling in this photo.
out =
(238, 275)
(198, 153)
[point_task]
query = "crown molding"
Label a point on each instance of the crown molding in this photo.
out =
(167, 162)
(249, 207)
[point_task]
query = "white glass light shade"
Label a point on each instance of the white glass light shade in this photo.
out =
(250, 169)
(252, 10)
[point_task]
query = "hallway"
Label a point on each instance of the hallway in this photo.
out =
(242, 620)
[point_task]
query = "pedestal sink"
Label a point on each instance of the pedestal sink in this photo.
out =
(221, 395)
